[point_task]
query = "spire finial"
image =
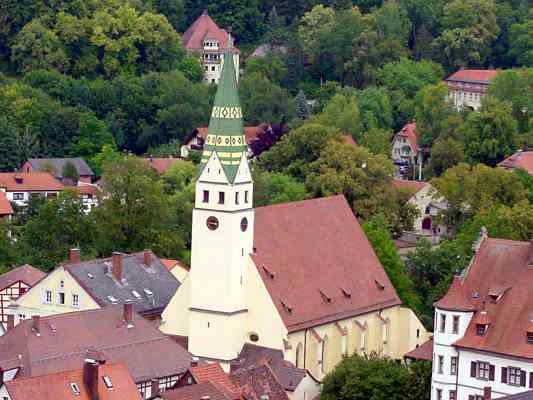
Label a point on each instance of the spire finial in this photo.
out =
(204, 12)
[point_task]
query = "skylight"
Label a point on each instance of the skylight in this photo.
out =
(75, 388)
(136, 294)
(148, 292)
(90, 276)
(107, 382)
(112, 299)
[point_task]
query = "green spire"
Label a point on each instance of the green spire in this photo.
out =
(226, 133)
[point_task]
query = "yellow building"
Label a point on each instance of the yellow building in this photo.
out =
(299, 277)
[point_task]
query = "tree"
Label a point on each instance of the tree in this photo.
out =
(9, 160)
(445, 153)
(174, 11)
(275, 188)
(521, 41)
(378, 141)
(275, 29)
(70, 171)
(489, 135)
(432, 110)
(375, 107)
(302, 108)
(272, 67)
(342, 112)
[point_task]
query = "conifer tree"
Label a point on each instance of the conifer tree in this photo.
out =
(302, 108)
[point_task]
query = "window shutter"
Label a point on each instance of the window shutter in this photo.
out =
(504, 375)
(473, 369)
(531, 380)
(522, 378)
(492, 372)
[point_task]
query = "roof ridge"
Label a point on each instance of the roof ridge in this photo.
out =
(294, 203)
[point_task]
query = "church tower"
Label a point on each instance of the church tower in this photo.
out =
(222, 229)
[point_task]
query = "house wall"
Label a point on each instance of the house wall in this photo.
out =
(308, 389)
(466, 95)
(33, 302)
(212, 71)
(402, 150)
(24, 196)
(4, 394)
(6, 295)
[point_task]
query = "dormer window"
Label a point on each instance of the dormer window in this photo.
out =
(75, 389)
(107, 382)
(481, 329)
(529, 337)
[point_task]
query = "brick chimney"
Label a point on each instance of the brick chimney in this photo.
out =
(74, 256)
(128, 314)
(147, 258)
(10, 322)
(116, 268)
(154, 385)
(36, 324)
(91, 373)
(487, 393)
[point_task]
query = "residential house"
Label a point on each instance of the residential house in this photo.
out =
(299, 277)
(6, 211)
(424, 352)
(55, 167)
(160, 165)
(519, 160)
(58, 343)
(140, 279)
(209, 372)
(88, 193)
(206, 39)
(484, 325)
(97, 380)
(13, 284)
(405, 149)
(467, 87)
(18, 187)
(177, 268)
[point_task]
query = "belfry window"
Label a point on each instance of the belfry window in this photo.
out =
(221, 197)
(206, 196)
(236, 197)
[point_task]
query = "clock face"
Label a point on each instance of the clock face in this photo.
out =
(212, 223)
(244, 224)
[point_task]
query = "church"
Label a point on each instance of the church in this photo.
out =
(298, 277)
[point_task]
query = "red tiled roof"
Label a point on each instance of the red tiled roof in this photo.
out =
(64, 339)
(412, 186)
(257, 381)
(29, 181)
(409, 132)
(204, 28)
(25, 273)
(313, 246)
(5, 205)
(348, 139)
(196, 392)
(520, 159)
(423, 352)
(161, 165)
(58, 386)
(498, 281)
(85, 189)
(250, 132)
(473, 75)
(455, 299)
(170, 264)
(215, 374)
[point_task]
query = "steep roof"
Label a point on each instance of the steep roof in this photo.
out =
(317, 264)
(95, 277)
(288, 376)
(257, 381)
(424, 352)
(161, 165)
(171, 264)
(409, 133)
(204, 28)
(411, 186)
(25, 273)
(65, 338)
(215, 374)
(473, 75)
(527, 395)
(520, 159)
(456, 298)
(226, 134)
(196, 392)
(29, 181)
(5, 205)
(42, 164)
(58, 385)
(498, 283)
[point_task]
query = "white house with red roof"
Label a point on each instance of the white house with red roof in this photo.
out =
(519, 160)
(468, 86)
(405, 145)
(18, 187)
(484, 325)
(205, 38)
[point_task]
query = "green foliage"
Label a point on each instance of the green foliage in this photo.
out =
(302, 108)
(275, 188)
(375, 107)
(342, 113)
(271, 67)
(521, 41)
(70, 171)
(378, 141)
(445, 153)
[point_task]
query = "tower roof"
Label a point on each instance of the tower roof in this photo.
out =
(226, 133)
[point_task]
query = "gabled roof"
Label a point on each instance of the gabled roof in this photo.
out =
(29, 181)
(409, 133)
(204, 28)
(473, 76)
(498, 282)
(42, 164)
(25, 273)
(171, 264)
(288, 376)
(65, 338)
(161, 165)
(57, 386)
(197, 392)
(5, 205)
(411, 186)
(424, 352)
(215, 374)
(95, 278)
(520, 159)
(317, 264)
(456, 298)
(257, 381)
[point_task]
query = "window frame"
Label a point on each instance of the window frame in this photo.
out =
(221, 198)
(455, 324)
(483, 370)
(442, 323)
(453, 365)
(75, 300)
(440, 364)
(205, 196)
(514, 376)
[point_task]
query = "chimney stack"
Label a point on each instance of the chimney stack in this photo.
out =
(194, 362)
(154, 387)
(74, 256)
(147, 258)
(36, 324)
(10, 322)
(487, 393)
(117, 265)
(91, 373)
(128, 314)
